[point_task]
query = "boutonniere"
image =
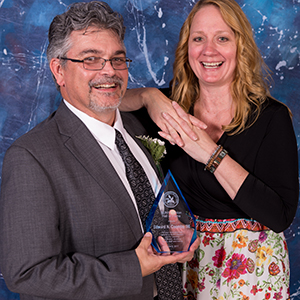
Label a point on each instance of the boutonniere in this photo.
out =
(156, 147)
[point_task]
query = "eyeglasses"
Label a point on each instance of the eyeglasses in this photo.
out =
(97, 63)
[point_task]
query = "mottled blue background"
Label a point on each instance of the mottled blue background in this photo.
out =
(28, 94)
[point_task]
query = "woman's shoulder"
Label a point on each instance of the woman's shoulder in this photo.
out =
(272, 105)
(274, 113)
(267, 109)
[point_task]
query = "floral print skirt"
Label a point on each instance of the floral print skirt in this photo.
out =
(237, 259)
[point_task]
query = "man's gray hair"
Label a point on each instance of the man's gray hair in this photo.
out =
(80, 16)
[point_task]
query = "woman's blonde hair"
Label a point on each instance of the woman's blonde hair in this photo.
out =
(250, 85)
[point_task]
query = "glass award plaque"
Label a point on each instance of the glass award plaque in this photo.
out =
(171, 218)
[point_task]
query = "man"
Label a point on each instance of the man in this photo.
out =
(70, 224)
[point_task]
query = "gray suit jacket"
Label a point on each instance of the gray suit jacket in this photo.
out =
(68, 226)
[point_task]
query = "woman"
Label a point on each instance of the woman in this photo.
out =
(240, 172)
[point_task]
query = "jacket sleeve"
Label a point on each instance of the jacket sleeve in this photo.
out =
(31, 258)
(270, 194)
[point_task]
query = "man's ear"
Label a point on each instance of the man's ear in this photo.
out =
(57, 71)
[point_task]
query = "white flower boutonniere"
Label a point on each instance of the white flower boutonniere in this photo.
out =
(156, 147)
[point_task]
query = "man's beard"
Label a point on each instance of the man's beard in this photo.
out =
(97, 107)
(94, 101)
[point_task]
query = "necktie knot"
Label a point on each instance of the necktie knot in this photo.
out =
(120, 142)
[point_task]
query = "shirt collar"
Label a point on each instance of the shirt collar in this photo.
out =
(102, 132)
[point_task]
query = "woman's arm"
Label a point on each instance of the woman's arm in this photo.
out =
(151, 98)
(137, 98)
(230, 174)
(157, 103)
(269, 194)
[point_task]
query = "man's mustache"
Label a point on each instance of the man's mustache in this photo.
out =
(106, 80)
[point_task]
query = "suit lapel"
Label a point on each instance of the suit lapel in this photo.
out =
(87, 151)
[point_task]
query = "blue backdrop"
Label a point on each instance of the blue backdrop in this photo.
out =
(28, 94)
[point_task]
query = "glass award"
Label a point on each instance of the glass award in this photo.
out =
(171, 218)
